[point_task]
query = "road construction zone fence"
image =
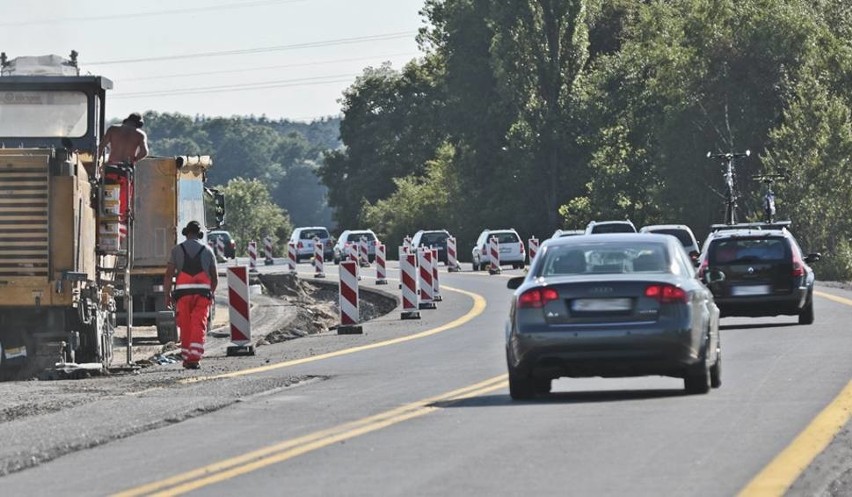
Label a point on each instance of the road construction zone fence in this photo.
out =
(349, 312)
(252, 250)
(494, 255)
(533, 248)
(381, 270)
(319, 270)
(291, 257)
(452, 255)
(267, 250)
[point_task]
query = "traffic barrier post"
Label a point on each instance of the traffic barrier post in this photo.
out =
(349, 314)
(291, 257)
(364, 252)
(220, 248)
(494, 256)
(252, 249)
(319, 270)
(436, 287)
(452, 256)
(533, 245)
(239, 305)
(410, 294)
(424, 260)
(381, 271)
(267, 251)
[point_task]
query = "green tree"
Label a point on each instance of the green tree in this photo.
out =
(251, 214)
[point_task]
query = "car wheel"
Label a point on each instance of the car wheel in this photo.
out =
(514, 266)
(542, 385)
(697, 380)
(520, 387)
(716, 372)
(806, 315)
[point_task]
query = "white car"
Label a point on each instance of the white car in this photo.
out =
(600, 227)
(679, 231)
(350, 237)
(303, 237)
(511, 249)
(560, 233)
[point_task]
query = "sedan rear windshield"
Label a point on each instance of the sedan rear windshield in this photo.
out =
(433, 239)
(682, 235)
(507, 237)
(613, 228)
(746, 250)
(609, 258)
(310, 234)
(356, 237)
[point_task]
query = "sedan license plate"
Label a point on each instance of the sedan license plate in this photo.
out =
(749, 290)
(601, 305)
(505, 250)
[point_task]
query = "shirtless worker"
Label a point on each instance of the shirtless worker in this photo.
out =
(127, 145)
(126, 142)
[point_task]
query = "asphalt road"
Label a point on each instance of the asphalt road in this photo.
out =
(422, 408)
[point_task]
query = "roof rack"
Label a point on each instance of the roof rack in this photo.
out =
(777, 225)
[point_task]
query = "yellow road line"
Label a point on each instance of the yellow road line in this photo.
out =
(835, 298)
(779, 475)
(477, 309)
(786, 467)
(288, 449)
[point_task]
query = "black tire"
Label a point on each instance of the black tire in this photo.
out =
(716, 373)
(514, 266)
(520, 387)
(475, 266)
(542, 385)
(806, 315)
(697, 380)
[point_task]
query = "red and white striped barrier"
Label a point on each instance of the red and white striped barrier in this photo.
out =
(452, 255)
(252, 250)
(408, 276)
(436, 287)
(291, 257)
(381, 271)
(494, 255)
(349, 316)
(533, 244)
(364, 252)
(267, 250)
(239, 306)
(424, 260)
(319, 271)
(220, 248)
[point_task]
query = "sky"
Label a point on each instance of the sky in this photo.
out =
(286, 59)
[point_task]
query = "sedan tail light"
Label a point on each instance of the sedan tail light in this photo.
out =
(300, 244)
(537, 297)
(798, 266)
(666, 294)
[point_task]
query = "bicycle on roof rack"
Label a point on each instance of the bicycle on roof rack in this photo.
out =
(769, 196)
(731, 194)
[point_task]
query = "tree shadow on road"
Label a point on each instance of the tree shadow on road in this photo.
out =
(565, 398)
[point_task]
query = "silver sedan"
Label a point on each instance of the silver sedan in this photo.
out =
(611, 306)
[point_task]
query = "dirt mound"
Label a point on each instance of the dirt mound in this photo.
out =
(317, 302)
(287, 285)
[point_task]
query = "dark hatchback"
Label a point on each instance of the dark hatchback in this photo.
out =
(612, 305)
(759, 272)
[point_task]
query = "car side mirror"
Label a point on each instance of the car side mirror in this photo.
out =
(694, 255)
(811, 258)
(515, 282)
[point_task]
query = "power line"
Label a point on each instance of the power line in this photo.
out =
(241, 5)
(265, 85)
(264, 68)
(296, 46)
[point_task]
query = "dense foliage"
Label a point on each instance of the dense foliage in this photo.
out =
(546, 114)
